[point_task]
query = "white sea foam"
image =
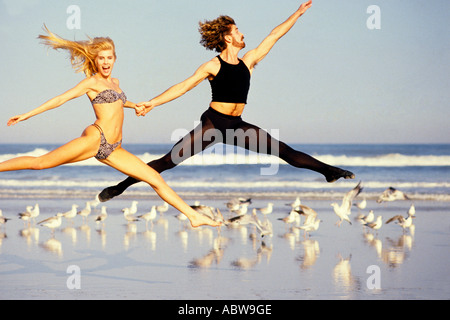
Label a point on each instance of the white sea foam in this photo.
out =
(253, 184)
(223, 156)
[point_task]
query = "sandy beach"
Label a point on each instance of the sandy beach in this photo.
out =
(170, 261)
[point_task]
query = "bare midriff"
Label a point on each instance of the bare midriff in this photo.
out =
(231, 109)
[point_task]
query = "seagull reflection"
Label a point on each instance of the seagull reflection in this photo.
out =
(311, 252)
(214, 255)
(249, 263)
(265, 251)
(163, 223)
(129, 235)
(53, 246)
(391, 252)
(150, 236)
(183, 235)
(102, 233)
(2, 236)
(292, 237)
(376, 243)
(86, 231)
(393, 257)
(342, 275)
(31, 235)
(71, 232)
(246, 263)
(397, 251)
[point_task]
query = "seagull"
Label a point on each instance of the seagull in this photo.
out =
(412, 210)
(367, 219)
(311, 222)
(128, 215)
(102, 216)
(294, 216)
(391, 194)
(149, 216)
(402, 222)
(234, 204)
(344, 210)
(295, 204)
(162, 208)
(95, 202)
(265, 228)
(72, 213)
(377, 224)
(361, 205)
(86, 211)
(35, 212)
(181, 217)
(266, 210)
(52, 222)
(3, 220)
(243, 209)
(133, 208)
(313, 226)
(210, 212)
(26, 216)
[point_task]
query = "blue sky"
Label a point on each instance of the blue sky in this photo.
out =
(329, 80)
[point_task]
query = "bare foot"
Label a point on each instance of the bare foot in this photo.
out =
(200, 220)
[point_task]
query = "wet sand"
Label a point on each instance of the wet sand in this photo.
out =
(170, 261)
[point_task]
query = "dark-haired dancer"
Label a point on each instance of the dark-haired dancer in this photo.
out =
(230, 82)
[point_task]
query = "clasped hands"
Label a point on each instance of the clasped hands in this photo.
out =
(143, 108)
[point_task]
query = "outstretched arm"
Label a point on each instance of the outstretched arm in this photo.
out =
(80, 89)
(253, 57)
(176, 91)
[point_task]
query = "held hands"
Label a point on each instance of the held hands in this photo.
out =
(143, 108)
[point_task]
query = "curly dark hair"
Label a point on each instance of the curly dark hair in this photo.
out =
(213, 33)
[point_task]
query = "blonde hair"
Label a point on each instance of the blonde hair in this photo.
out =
(213, 33)
(82, 53)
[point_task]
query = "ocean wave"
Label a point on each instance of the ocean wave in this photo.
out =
(148, 193)
(223, 156)
(226, 185)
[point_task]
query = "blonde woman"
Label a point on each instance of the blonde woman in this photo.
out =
(102, 140)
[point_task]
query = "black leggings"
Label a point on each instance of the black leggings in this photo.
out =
(216, 127)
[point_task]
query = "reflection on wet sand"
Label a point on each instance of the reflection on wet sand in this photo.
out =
(246, 262)
(215, 255)
(129, 235)
(53, 246)
(343, 277)
(236, 246)
(311, 251)
(30, 234)
(392, 252)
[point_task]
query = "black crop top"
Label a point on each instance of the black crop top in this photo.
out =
(231, 84)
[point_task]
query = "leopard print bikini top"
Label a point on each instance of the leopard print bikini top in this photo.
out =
(109, 96)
